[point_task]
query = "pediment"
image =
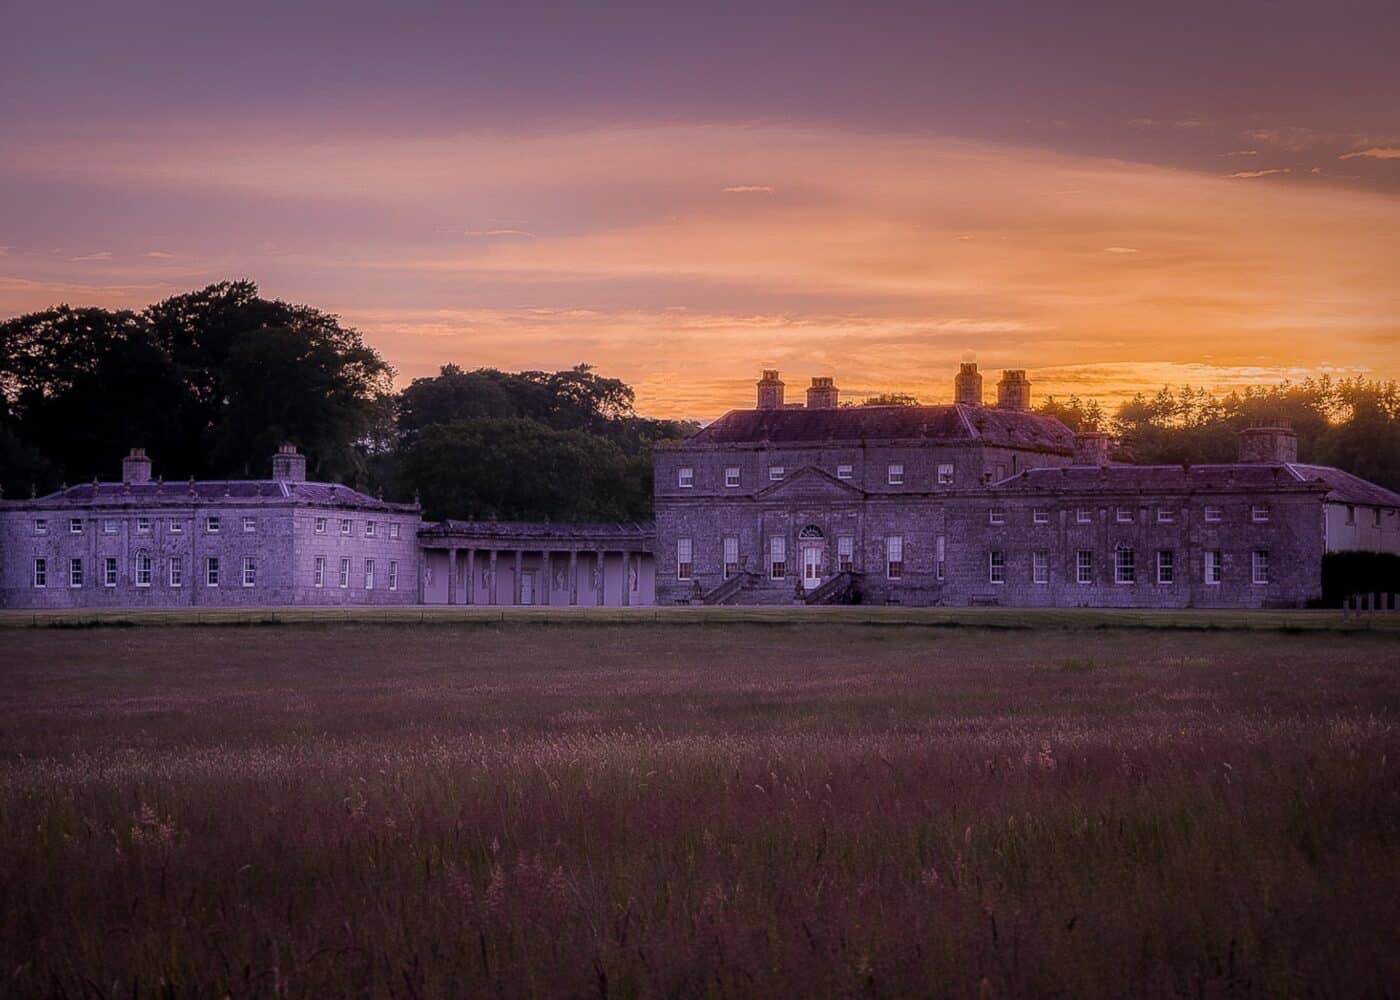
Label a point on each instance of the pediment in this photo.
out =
(811, 483)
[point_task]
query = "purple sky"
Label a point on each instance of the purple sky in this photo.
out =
(1105, 193)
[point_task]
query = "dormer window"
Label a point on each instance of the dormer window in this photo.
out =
(685, 477)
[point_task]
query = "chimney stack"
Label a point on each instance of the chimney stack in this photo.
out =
(1091, 448)
(136, 467)
(288, 466)
(822, 394)
(1014, 390)
(1268, 445)
(770, 390)
(967, 386)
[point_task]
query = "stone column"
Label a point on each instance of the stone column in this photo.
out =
(601, 563)
(422, 571)
(626, 578)
(546, 574)
(470, 588)
(491, 597)
(515, 586)
(452, 575)
(573, 577)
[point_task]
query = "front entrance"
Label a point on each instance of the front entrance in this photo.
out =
(527, 588)
(813, 543)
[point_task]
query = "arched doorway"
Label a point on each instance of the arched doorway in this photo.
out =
(813, 545)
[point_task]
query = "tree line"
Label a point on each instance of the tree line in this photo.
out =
(210, 382)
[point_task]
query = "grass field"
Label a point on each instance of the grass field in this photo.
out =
(698, 810)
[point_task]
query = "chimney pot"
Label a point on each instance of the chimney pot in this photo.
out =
(770, 390)
(288, 465)
(136, 467)
(1092, 448)
(822, 394)
(1014, 390)
(1265, 445)
(967, 386)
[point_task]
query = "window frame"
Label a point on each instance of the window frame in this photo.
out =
(996, 516)
(1083, 515)
(944, 474)
(1040, 515)
(143, 525)
(685, 477)
(1259, 567)
(211, 571)
(894, 474)
(109, 526)
(250, 525)
(731, 566)
(1214, 560)
(344, 575)
(1166, 567)
(394, 531)
(213, 524)
(996, 567)
(732, 476)
(393, 574)
(110, 571)
(318, 527)
(1040, 567)
(777, 473)
(1084, 567)
(845, 553)
(369, 574)
(41, 526)
(318, 572)
(75, 526)
(145, 567)
(75, 573)
(40, 575)
(1125, 566)
(1213, 513)
(894, 557)
(1119, 518)
(777, 557)
(249, 576)
(1260, 513)
(685, 558)
(1166, 515)
(175, 572)
(176, 526)
(371, 529)
(347, 527)
(845, 470)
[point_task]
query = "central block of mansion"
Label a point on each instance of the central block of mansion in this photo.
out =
(958, 504)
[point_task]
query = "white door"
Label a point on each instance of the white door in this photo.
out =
(527, 588)
(811, 567)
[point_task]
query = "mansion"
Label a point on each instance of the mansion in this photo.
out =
(960, 504)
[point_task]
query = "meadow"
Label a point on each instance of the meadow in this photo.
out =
(697, 810)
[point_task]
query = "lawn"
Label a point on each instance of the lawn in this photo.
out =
(697, 810)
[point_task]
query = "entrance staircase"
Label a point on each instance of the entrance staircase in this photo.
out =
(840, 589)
(730, 589)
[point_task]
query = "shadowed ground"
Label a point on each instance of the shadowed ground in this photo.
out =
(697, 810)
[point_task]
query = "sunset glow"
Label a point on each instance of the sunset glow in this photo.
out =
(684, 251)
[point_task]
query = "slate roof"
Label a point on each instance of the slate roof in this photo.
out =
(235, 491)
(952, 422)
(630, 535)
(1339, 486)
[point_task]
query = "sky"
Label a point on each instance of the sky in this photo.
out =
(1113, 196)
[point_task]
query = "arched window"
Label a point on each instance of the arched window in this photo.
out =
(811, 531)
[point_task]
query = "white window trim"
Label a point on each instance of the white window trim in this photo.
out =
(1218, 564)
(213, 571)
(844, 471)
(1118, 567)
(993, 567)
(318, 572)
(176, 526)
(895, 474)
(1040, 515)
(1040, 560)
(213, 525)
(111, 571)
(1080, 567)
(143, 525)
(777, 473)
(732, 476)
(344, 576)
(250, 569)
(369, 574)
(40, 576)
(685, 477)
(944, 475)
(109, 526)
(175, 572)
(75, 526)
(1254, 564)
(393, 574)
(1259, 513)
(371, 529)
(150, 569)
(996, 515)
(1212, 514)
(1169, 564)
(319, 526)
(1118, 515)
(75, 570)
(1083, 515)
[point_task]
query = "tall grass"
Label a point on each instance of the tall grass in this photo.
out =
(820, 810)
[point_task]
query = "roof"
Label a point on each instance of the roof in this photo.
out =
(159, 493)
(1229, 477)
(956, 422)
(1343, 487)
(591, 535)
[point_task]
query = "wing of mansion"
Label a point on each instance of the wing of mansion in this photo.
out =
(958, 504)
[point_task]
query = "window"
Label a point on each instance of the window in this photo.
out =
(1212, 514)
(1083, 515)
(143, 569)
(41, 572)
(845, 553)
(1165, 515)
(177, 572)
(1261, 565)
(369, 574)
(394, 532)
(41, 526)
(1040, 567)
(176, 526)
(1124, 566)
(143, 525)
(212, 525)
(1040, 516)
(109, 527)
(344, 573)
(211, 571)
(1213, 566)
(345, 526)
(1259, 512)
(370, 528)
(685, 477)
(731, 556)
(996, 566)
(684, 566)
(109, 571)
(393, 574)
(75, 526)
(250, 571)
(894, 557)
(776, 472)
(320, 525)
(250, 525)
(75, 572)
(945, 474)
(844, 472)
(1124, 515)
(896, 474)
(1084, 566)
(777, 557)
(997, 515)
(731, 476)
(1351, 514)
(940, 546)
(319, 579)
(1166, 566)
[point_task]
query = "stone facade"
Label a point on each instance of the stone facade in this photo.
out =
(967, 504)
(144, 543)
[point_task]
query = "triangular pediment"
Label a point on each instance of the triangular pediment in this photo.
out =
(811, 483)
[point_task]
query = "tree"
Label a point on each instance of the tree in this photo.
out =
(890, 399)
(518, 469)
